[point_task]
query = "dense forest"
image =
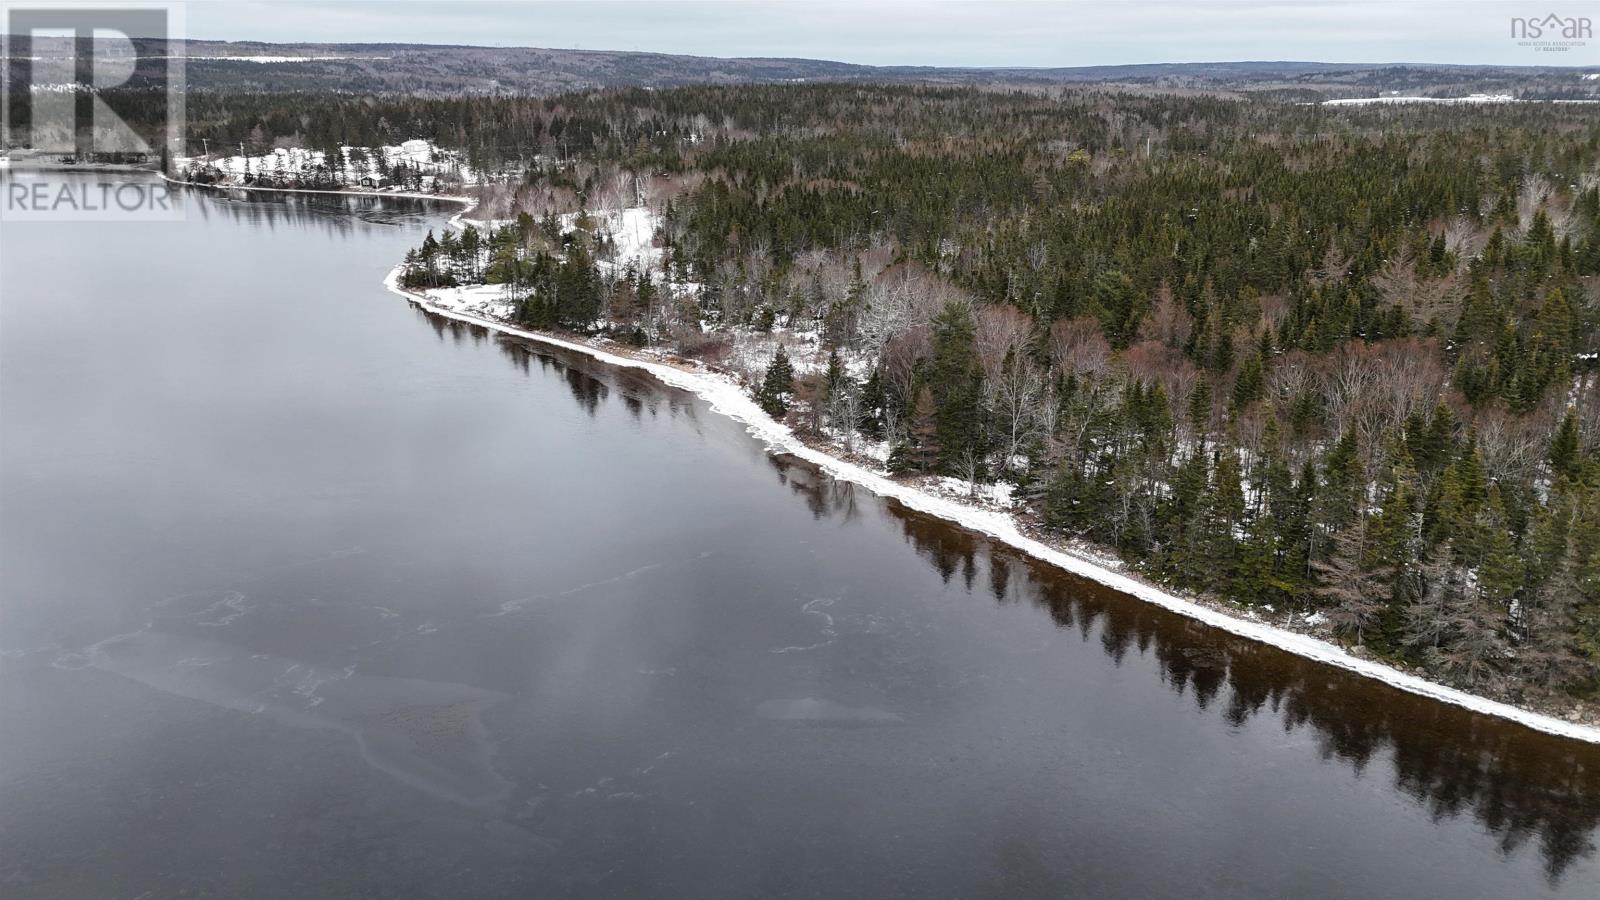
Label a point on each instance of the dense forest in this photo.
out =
(1339, 363)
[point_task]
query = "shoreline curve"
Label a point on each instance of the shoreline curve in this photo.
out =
(729, 399)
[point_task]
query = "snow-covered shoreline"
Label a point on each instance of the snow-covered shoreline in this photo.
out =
(730, 399)
(455, 221)
(727, 397)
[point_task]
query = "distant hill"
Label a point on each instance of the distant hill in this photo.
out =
(442, 69)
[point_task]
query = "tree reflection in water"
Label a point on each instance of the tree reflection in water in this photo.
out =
(1517, 783)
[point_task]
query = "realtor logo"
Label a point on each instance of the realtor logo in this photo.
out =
(1552, 33)
(64, 73)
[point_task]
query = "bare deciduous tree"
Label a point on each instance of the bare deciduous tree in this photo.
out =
(1078, 347)
(1169, 321)
(1000, 331)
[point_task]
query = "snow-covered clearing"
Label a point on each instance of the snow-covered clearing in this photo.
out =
(632, 232)
(1470, 98)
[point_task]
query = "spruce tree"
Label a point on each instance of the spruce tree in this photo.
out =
(873, 403)
(955, 376)
(836, 377)
(1225, 514)
(1352, 593)
(777, 386)
(1200, 410)
(1342, 485)
(919, 451)
(1584, 560)
(1564, 457)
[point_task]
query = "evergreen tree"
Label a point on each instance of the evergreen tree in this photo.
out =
(955, 376)
(919, 451)
(1200, 410)
(873, 403)
(577, 301)
(1250, 384)
(1564, 457)
(1354, 593)
(835, 376)
(777, 386)
(1343, 483)
(1225, 514)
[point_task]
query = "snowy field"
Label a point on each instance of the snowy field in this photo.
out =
(632, 232)
(1470, 98)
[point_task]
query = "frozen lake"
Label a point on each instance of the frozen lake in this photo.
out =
(305, 592)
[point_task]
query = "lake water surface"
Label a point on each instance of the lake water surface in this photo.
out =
(304, 592)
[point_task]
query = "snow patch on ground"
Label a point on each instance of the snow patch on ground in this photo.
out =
(632, 232)
(484, 300)
(992, 495)
(1470, 99)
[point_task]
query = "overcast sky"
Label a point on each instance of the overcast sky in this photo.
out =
(998, 32)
